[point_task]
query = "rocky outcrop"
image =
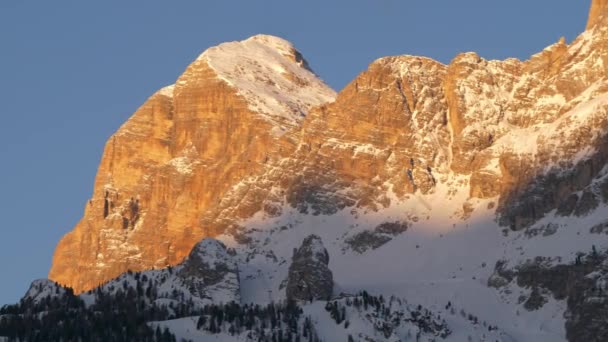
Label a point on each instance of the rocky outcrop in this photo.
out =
(210, 272)
(309, 276)
(382, 234)
(44, 289)
(599, 8)
(581, 284)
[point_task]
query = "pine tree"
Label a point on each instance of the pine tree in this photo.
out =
(594, 252)
(201, 322)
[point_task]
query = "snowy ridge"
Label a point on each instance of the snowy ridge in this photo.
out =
(271, 75)
(313, 246)
(208, 275)
(361, 317)
(212, 252)
(41, 289)
(551, 138)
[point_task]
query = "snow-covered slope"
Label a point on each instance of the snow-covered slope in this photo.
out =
(208, 275)
(432, 263)
(272, 75)
(448, 269)
(41, 289)
(359, 317)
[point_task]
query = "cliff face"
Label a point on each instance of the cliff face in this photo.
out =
(492, 129)
(309, 278)
(180, 152)
(249, 128)
(597, 12)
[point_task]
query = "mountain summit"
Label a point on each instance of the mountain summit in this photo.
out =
(271, 75)
(181, 151)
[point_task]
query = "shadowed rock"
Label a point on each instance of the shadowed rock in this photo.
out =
(209, 267)
(309, 276)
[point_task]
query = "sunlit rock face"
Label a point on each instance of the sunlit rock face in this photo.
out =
(597, 12)
(181, 152)
(248, 128)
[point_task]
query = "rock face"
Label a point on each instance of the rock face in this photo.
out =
(376, 238)
(179, 154)
(582, 285)
(598, 9)
(210, 272)
(249, 129)
(309, 275)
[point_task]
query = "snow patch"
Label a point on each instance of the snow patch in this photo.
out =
(167, 91)
(183, 165)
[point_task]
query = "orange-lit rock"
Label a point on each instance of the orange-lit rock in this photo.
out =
(599, 8)
(178, 155)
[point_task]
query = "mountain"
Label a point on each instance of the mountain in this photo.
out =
(476, 191)
(181, 152)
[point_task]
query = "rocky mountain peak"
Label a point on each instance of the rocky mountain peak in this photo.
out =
(222, 118)
(210, 271)
(41, 289)
(271, 74)
(312, 248)
(599, 8)
(282, 46)
(210, 252)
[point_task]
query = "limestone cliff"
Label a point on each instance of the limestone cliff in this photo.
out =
(180, 152)
(597, 12)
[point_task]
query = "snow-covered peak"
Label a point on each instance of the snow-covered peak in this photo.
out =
(313, 246)
(273, 42)
(272, 76)
(211, 252)
(42, 288)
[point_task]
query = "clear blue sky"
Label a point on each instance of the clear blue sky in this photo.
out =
(72, 71)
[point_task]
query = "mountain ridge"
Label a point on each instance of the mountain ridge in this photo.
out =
(432, 141)
(414, 161)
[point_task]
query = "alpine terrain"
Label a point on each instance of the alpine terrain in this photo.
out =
(423, 202)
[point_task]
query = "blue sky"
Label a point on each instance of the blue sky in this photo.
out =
(72, 71)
